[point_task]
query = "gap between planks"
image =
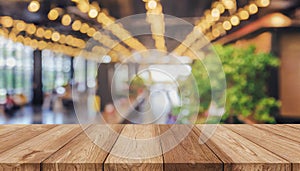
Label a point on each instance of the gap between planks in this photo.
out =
(277, 144)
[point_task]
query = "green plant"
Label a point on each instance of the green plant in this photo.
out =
(246, 74)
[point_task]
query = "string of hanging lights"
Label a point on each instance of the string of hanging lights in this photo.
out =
(39, 37)
(19, 26)
(156, 19)
(84, 28)
(95, 12)
(213, 24)
(231, 21)
(213, 28)
(40, 44)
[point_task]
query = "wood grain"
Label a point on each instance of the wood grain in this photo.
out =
(82, 153)
(279, 145)
(238, 153)
(297, 126)
(136, 149)
(8, 128)
(189, 154)
(282, 130)
(231, 147)
(11, 137)
(29, 155)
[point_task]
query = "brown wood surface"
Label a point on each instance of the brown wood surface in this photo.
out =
(82, 153)
(277, 144)
(29, 154)
(294, 126)
(189, 154)
(282, 130)
(145, 154)
(238, 153)
(231, 147)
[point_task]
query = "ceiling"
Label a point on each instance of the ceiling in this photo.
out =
(190, 10)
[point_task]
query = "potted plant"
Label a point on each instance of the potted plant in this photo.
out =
(246, 74)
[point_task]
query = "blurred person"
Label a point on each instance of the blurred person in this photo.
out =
(137, 96)
(20, 100)
(10, 105)
(109, 114)
(53, 99)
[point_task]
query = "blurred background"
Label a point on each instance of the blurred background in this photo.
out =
(43, 58)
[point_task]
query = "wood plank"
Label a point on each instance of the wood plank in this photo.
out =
(82, 153)
(238, 153)
(15, 135)
(8, 128)
(189, 154)
(29, 155)
(282, 130)
(279, 145)
(297, 126)
(131, 154)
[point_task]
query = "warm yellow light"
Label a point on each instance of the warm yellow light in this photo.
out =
(40, 32)
(97, 36)
(205, 25)
(95, 4)
(12, 36)
(62, 39)
(244, 15)
(215, 13)
(27, 41)
(80, 44)
(14, 30)
(93, 13)
(34, 43)
(66, 20)
(7, 21)
(55, 36)
(227, 25)
(20, 38)
(83, 7)
(199, 27)
(280, 20)
(84, 28)
(152, 4)
(91, 32)
(42, 45)
(229, 4)
(206, 12)
(48, 34)
(210, 36)
(49, 45)
(276, 21)
(104, 19)
(2, 32)
(220, 8)
(20, 25)
(69, 39)
(53, 14)
(253, 8)
(216, 33)
(76, 25)
(235, 20)
(31, 28)
(209, 18)
(34, 6)
(263, 3)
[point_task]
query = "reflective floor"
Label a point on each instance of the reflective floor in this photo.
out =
(40, 115)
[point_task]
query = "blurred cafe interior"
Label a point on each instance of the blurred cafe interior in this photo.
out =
(49, 76)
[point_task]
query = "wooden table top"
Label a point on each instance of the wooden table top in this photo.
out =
(231, 147)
